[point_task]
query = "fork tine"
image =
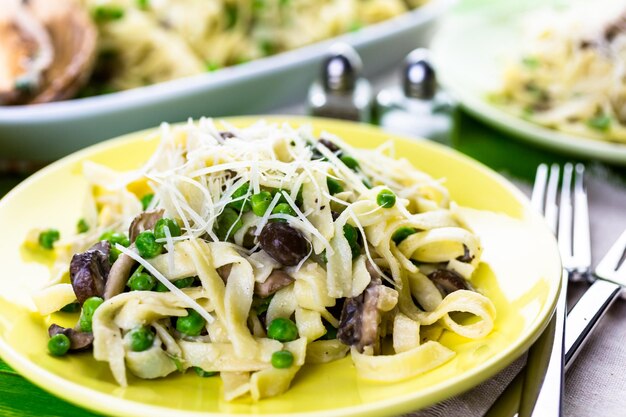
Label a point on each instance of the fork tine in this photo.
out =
(582, 241)
(565, 215)
(551, 193)
(539, 189)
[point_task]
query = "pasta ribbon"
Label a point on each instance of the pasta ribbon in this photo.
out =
(408, 364)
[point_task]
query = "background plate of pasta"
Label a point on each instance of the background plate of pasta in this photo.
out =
(284, 266)
(550, 72)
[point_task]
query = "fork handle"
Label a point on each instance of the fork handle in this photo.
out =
(586, 314)
(549, 399)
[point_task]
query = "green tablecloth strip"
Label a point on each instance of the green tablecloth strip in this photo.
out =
(513, 158)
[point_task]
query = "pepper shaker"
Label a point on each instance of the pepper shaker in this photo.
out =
(416, 107)
(341, 92)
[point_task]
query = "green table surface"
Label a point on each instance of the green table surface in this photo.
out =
(509, 156)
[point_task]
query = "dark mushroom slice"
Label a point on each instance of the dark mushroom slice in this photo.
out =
(330, 145)
(224, 271)
(225, 134)
(90, 270)
(360, 319)
(142, 222)
(284, 243)
(448, 281)
(78, 340)
(467, 257)
(249, 239)
(276, 281)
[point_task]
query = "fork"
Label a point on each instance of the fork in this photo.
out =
(569, 219)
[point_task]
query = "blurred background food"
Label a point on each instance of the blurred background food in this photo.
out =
(570, 73)
(143, 42)
(47, 50)
(169, 60)
(149, 41)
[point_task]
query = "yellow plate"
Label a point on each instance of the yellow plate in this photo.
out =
(520, 274)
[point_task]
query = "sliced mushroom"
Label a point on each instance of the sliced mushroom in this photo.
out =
(118, 277)
(144, 221)
(89, 271)
(78, 340)
(121, 269)
(276, 281)
(448, 281)
(47, 50)
(224, 272)
(467, 257)
(360, 319)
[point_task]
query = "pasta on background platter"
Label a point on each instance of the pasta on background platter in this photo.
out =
(570, 73)
(143, 42)
(249, 253)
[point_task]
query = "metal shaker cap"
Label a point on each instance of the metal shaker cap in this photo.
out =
(418, 76)
(341, 69)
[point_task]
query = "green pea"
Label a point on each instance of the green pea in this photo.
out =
(106, 13)
(268, 47)
(192, 324)
(204, 374)
(260, 202)
(227, 224)
(352, 237)
(115, 238)
(143, 4)
(71, 307)
(161, 224)
(350, 162)
(212, 66)
(160, 287)
(146, 200)
(282, 329)
(334, 186)
(48, 237)
(243, 204)
(141, 281)
(82, 226)
(402, 233)
(147, 246)
(184, 282)
(600, 122)
(282, 359)
(284, 208)
(386, 198)
(59, 344)
(141, 338)
(531, 62)
(86, 316)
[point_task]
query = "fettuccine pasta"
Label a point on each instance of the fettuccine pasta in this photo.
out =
(250, 253)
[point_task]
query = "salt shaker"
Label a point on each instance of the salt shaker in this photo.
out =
(341, 92)
(416, 107)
